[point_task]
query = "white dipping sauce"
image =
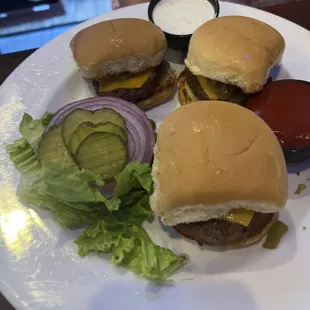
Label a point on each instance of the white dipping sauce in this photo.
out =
(182, 16)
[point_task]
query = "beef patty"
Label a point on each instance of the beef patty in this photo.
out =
(194, 85)
(135, 95)
(219, 232)
(232, 94)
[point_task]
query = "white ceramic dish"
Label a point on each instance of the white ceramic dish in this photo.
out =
(39, 265)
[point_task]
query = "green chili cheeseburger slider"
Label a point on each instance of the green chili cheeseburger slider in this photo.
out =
(125, 58)
(228, 58)
(219, 173)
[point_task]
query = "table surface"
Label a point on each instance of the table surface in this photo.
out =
(297, 12)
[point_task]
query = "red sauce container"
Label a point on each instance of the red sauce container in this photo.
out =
(285, 106)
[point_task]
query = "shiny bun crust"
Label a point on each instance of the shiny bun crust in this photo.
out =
(236, 50)
(119, 45)
(213, 156)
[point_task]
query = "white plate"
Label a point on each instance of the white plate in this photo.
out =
(39, 265)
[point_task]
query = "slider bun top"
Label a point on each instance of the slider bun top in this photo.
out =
(116, 46)
(235, 50)
(212, 156)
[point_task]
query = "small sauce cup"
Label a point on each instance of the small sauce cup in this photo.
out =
(181, 41)
(284, 105)
(296, 156)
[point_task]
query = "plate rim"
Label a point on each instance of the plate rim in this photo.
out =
(7, 291)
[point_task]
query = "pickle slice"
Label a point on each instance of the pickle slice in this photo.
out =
(108, 115)
(79, 116)
(87, 128)
(275, 234)
(51, 148)
(102, 153)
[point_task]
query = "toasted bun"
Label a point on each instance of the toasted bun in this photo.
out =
(119, 45)
(185, 94)
(235, 50)
(213, 156)
(164, 91)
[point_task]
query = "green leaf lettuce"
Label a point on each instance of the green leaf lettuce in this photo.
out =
(130, 247)
(32, 130)
(74, 197)
(135, 175)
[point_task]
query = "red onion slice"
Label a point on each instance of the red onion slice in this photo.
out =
(141, 138)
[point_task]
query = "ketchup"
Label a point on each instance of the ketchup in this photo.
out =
(285, 106)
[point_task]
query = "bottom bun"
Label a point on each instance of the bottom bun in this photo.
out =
(164, 91)
(230, 245)
(185, 94)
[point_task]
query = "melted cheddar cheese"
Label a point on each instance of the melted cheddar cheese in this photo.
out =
(134, 81)
(207, 88)
(240, 216)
